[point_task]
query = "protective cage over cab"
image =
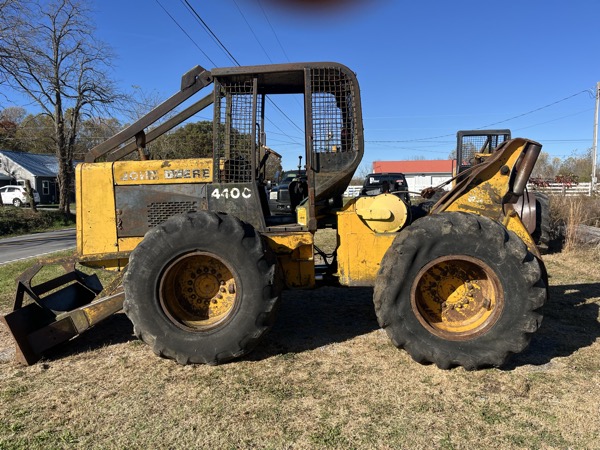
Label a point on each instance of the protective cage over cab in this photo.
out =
(246, 100)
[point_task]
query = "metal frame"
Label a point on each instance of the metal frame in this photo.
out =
(486, 148)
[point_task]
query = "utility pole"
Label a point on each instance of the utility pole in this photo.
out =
(594, 144)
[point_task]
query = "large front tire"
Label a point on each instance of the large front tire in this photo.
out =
(457, 289)
(200, 288)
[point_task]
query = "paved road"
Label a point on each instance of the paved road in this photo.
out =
(34, 245)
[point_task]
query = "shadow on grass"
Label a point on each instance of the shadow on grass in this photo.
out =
(311, 319)
(117, 329)
(569, 324)
(308, 320)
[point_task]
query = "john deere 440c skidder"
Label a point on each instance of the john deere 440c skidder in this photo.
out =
(205, 262)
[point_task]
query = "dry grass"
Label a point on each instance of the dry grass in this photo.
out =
(567, 213)
(325, 377)
(575, 214)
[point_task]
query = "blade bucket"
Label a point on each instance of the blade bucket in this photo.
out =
(61, 309)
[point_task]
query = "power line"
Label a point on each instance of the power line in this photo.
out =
(535, 110)
(215, 37)
(193, 11)
(278, 41)
(273, 30)
(252, 31)
(185, 32)
(499, 122)
(555, 120)
(284, 114)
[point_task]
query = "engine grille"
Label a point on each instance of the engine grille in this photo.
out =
(159, 212)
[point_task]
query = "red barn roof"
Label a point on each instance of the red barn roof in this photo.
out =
(417, 166)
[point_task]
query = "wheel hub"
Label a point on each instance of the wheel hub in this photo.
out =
(457, 297)
(198, 291)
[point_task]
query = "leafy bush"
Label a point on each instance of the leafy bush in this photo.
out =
(24, 220)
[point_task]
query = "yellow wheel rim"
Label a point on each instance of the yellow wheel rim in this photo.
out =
(457, 297)
(198, 291)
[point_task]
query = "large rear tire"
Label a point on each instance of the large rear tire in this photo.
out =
(543, 226)
(458, 289)
(200, 288)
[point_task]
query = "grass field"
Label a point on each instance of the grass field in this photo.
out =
(325, 377)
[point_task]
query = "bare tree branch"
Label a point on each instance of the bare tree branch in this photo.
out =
(48, 52)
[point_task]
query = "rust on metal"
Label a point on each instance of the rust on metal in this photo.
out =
(192, 82)
(198, 291)
(457, 297)
(59, 309)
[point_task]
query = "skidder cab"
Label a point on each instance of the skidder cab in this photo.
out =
(205, 262)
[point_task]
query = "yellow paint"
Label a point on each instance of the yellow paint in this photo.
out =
(374, 214)
(383, 213)
(95, 200)
(178, 171)
(129, 243)
(198, 291)
(96, 218)
(360, 249)
(457, 297)
(513, 223)
(486, 196)
(302, 215)
(98, 311)
(295, 253)
(367, 226)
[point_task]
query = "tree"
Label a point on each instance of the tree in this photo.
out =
(10, 121)
(577, 166)
(35, 134)
(546, 168)
(193, 140)
(94, 131)
(52, 57)
(9, 11)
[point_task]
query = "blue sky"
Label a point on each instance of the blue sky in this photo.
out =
(426, 68)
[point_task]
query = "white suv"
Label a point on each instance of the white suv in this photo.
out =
(17, 195)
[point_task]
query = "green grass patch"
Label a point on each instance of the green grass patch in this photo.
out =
(10, 273)
(15, 221)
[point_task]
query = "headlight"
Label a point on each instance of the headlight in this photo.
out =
(273, 195)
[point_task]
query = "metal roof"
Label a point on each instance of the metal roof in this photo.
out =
(37, 165)
(432, 166)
